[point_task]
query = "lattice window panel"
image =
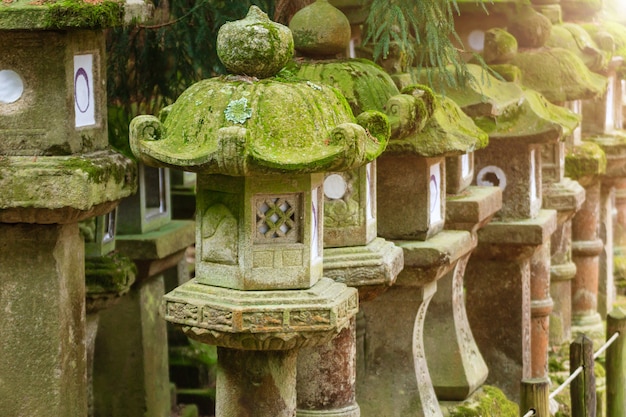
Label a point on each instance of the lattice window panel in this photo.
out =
(278, 218)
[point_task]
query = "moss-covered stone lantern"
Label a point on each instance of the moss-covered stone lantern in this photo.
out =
(260, 142)
(353, 254)
(57, 169)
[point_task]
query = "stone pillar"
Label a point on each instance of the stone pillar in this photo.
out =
(456, 364)
(606, 281)
(43, 347)
(540, 308)
(619, 237)
(107, 278)
(498, 292)
(586, 249)
(131, 376)
(327, 377)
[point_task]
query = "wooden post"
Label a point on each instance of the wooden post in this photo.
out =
(534, 394)
(583, 389)
(615, 367)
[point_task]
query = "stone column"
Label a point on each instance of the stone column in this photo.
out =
(456, 364)
(43, 348)
(498, 295)
(586, 250)
(131, 376)
(619, 237)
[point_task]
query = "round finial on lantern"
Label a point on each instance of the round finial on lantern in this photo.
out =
(320, 29)
(254, 46)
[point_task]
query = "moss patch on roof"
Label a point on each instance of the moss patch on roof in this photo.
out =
(239, 126)
(559, 75)
(60, 14)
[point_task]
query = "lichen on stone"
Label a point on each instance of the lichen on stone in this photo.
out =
(238, 111)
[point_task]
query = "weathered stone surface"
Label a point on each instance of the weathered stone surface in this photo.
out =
(130, 363)
(427, 261)
(63, 189)
(42, 350)
(24, 14)
(261, 320)
(396, 380)
(256, 383)
(327, 377)
(574, 38)
(171, 238)
(350, 207)
(364, 84)
(407, 204)
(107, 278)
(559, 75)
(531, 29)
(532, 232)
(254, 46)
(246, 132)
(455, 363)
(320, 29)
(473, 208)
(371, 268)
(500, 46)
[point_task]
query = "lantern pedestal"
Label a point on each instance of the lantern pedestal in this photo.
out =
(456, 365)
(130, 365)
(498, 292)
(390, 386)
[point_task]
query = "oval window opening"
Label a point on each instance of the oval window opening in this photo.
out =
(11, 86)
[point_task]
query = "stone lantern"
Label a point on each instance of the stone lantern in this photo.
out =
(353, 254)
(411, 193)
(57, 170)
(260, 147)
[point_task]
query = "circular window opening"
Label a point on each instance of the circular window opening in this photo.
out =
(335, 186)
(11, 86)
(476, 40)
(491, 176)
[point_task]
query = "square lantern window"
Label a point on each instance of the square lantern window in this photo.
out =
(182, 179)
(104, 236)
(600, 114)
(411, 196)
(553, 163)
(149, 208)
(350, 207)
(576, 138)
(259, 233)
(67, 86)
(459, 172)
(516, 169)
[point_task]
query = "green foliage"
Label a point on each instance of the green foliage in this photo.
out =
(422, 31)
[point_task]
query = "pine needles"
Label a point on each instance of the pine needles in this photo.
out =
(422, 31)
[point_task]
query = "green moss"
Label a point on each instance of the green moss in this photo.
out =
(113, 273)
(60, 14)
(96, 173)
(488, 401)
(500, 46)
(574, 38)
(77, 13)
(508, 72)
(291, 128)
(587, 159)
(364, 84)
(559, 75)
